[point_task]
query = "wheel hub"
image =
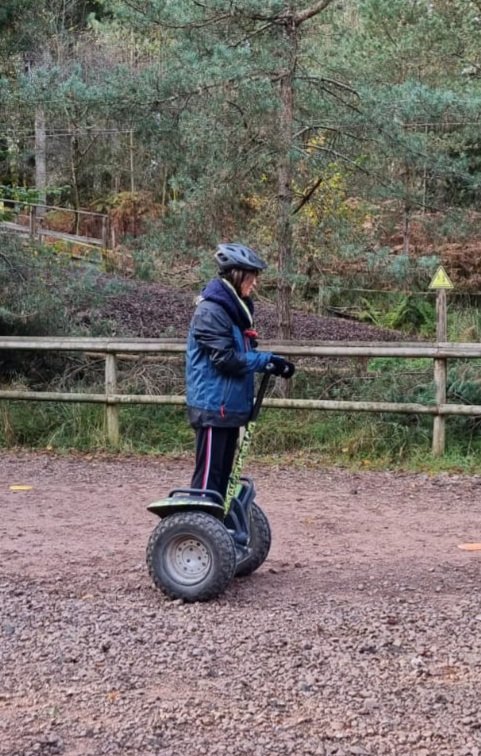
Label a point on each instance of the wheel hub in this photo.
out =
(188, 559)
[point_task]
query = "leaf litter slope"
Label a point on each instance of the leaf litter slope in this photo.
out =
(150, 310)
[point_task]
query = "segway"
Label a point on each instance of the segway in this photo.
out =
(203, 541)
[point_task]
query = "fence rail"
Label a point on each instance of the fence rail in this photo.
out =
(112, 349)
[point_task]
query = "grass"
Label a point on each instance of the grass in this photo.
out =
(357, 441)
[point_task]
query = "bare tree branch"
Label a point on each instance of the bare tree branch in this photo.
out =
(304, 15)
(323, 80)
(340, 99)
(307, 196)
(240, 111)
(344, 158)
(191, 25)
(336, 130)
(254, 33)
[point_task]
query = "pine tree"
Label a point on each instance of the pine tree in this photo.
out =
(238, 73)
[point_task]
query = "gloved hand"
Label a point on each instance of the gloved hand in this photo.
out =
(277, 365)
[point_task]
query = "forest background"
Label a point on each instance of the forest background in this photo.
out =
(339, 137)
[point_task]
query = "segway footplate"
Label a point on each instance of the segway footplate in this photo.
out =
(186, 500)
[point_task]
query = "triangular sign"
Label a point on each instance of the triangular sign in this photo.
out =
(441, 280)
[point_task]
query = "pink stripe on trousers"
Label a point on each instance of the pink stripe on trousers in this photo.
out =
(205, 476)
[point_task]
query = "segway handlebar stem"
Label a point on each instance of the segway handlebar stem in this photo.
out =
(245, 445)
(259, 398)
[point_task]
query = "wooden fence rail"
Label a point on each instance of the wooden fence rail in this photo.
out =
(111, 348)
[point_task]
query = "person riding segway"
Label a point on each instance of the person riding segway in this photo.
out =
(221, 361)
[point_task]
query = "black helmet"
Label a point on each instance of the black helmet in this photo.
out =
(238, 256)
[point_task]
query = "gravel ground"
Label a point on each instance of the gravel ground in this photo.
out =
(359, 635)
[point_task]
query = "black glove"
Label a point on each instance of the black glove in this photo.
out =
(279, 366)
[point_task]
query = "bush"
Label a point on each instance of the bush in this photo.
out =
(31, 301)
(44, 294)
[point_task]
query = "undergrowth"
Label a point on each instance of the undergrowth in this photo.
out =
(301, 438)
(361, 440)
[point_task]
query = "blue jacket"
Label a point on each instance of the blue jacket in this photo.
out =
(221, 358)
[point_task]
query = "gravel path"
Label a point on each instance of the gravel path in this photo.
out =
(359, 635)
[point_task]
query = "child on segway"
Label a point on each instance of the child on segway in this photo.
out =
(221, 362)
(214, 530)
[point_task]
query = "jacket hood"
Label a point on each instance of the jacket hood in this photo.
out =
(241, 310)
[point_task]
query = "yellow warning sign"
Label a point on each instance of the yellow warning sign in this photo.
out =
(441, 280)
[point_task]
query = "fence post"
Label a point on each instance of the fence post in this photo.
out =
(33, 224)
(111, 410)
(440, 375)
(105, 233)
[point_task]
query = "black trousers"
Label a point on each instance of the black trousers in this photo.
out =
(214, 457)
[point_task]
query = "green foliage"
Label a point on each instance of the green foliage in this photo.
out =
(399, 270)
(464, 323)
(183, 101)
(30, 283)
(389, 365)
(41, 292)
(81, 426)
(52, 426)
(464, 387)
(19, 194)
(410, 313)
(163, 430)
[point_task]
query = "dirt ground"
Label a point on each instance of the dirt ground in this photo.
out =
(359, 635)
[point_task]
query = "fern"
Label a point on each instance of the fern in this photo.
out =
(408, 313)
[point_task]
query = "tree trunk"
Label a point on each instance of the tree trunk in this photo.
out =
(406, 228)
(131, 161)
(284, 186)
(75, 187)
(40, 159)
(32, 59)
(292, 20)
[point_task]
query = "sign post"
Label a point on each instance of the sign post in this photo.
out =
(441, 283)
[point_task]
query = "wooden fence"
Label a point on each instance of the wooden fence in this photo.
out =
(439, 352)
(30, 222)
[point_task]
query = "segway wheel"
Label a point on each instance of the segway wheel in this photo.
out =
(191, 556)
(259, 543)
